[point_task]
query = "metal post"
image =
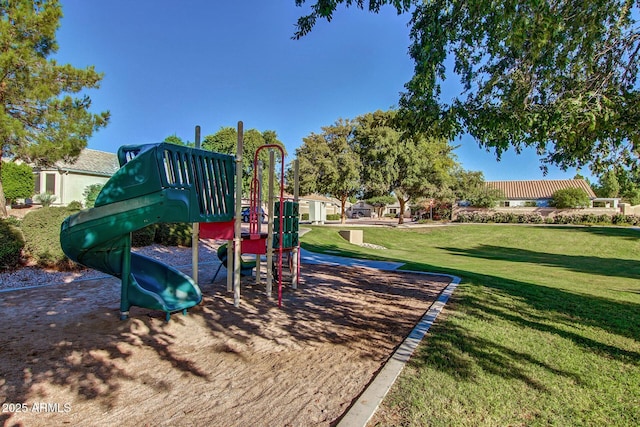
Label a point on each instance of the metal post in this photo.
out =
(270, 225)
(195, 236)
(237, 235)
(295, 265)
(258, 257)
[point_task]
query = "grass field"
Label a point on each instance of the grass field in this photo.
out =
(543, 330)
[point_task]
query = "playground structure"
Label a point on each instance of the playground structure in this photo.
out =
(159, 183)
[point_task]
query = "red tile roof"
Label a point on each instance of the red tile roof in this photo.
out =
(539, 189)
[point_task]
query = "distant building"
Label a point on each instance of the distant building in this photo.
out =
(540, 192)
(67, 181)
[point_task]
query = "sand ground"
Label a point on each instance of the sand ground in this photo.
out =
(66, 358)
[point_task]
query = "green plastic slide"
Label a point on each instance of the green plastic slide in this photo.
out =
(156, 183)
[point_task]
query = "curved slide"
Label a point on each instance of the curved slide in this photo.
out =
(156, 183)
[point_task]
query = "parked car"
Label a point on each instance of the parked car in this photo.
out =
(246, 214)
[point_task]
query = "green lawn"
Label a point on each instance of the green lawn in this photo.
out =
(543, 330)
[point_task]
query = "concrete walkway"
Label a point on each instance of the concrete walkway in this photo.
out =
(368, 402)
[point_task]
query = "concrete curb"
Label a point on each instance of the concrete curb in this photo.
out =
(362, 410)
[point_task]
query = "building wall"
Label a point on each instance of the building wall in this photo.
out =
(66, 186)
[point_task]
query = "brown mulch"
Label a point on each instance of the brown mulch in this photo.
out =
(66, 358)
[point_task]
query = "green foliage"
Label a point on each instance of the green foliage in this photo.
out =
(409, 166)
(17, 180)
(570, 198)
(174, 234)
(304, 217)
(380, 202)
(45, 199)
(90, 194)
(40, 120)
(225, 141)
(75, 205)
(548, 75)
(329, 164)
(41, 229)
(608, 185)
(333, 217)
(11, 244)
(175, 139)
(143, 237)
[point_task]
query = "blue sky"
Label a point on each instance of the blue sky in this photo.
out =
(169, 66)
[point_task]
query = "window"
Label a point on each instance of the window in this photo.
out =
(36, 178)
(51, 183)
(393, 210)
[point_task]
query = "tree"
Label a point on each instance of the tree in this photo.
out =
(471, 187)
(40, 122)
(329, 165)
(225, 141)
(570, 198)
(175, 139)
(91, 193)
(18, 181)
(380, 202)
(553, 75)
(608, 185)
(407, 166)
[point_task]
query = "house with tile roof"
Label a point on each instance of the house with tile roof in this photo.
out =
(539, 193)
(67, 181)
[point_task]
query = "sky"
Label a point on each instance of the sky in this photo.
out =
(171, 65)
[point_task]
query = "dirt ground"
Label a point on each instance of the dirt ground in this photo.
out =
(67, 359)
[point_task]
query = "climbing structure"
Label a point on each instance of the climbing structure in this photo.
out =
(155, 183)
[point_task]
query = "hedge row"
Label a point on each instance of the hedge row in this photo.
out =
(38, 236)
(534, 218)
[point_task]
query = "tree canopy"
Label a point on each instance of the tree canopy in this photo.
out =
(40, 121)
(225, 141)
(407, 166)
(558, 76)
(328, 163)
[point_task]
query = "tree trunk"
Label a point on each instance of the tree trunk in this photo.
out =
(403, 203)
(343, 213)
(3, 200)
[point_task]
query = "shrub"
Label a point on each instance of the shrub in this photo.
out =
(144, 236)
(75, 205)
(570, 198)
(174, 234)
(304, 217)
(90, 194)
(11, 245)
(17, 181)
(41, 229)
(333, 217)
(45, 199)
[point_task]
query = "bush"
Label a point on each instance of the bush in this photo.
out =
(174, 234)
(143, 237)
(45, 199)
(570, 198)
(41, 229)
(75, 206)
(304, 217)
(11, 245)
(90, 194)
(333, 217)
(17, 181)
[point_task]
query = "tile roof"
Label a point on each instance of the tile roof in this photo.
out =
(538, 189)
(93, 162)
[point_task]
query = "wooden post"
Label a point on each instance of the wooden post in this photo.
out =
(195, 236)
